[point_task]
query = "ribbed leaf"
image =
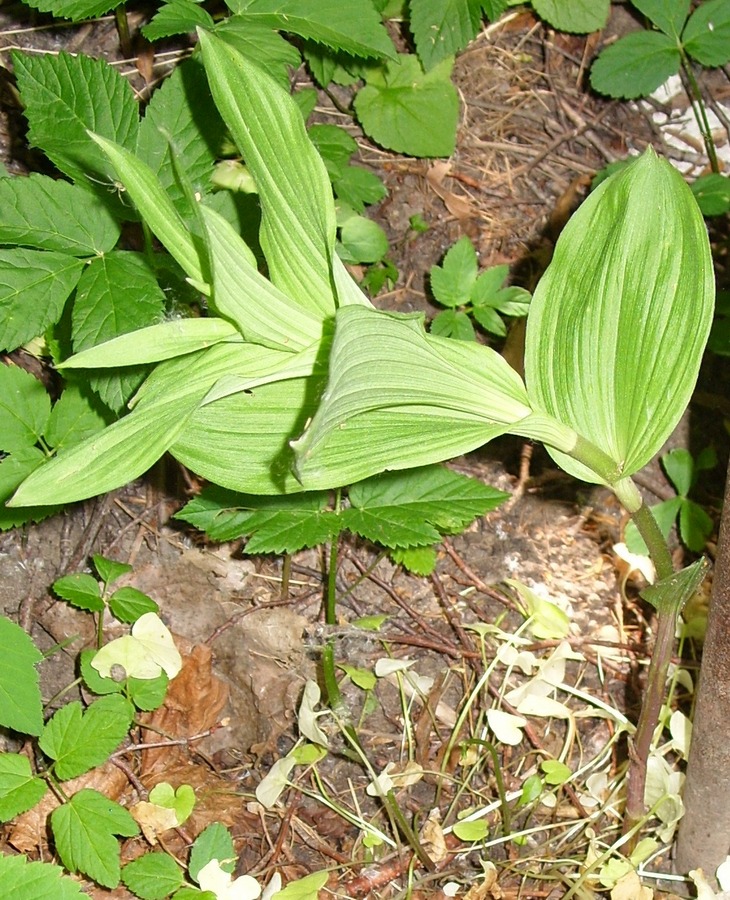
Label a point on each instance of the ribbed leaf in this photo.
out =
(298, 213)
(620, 319)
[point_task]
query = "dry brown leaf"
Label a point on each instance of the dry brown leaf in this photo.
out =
(459, 207)
(432, 837)
(153, 819)
(488, 889)
(194, 701)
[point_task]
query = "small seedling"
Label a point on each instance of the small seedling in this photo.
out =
(458, 285)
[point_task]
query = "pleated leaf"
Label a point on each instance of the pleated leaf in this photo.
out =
(619, 321)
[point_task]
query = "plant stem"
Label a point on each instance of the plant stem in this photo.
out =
(640, 744)
(700, 113)
(285, 575)
(122, 23)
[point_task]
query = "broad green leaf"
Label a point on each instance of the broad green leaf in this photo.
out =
(93, 680)
(214, 842)
(712, 193)
(471, 831)
(109, 570)
(152, 876)
(80, 590)
(680, 469)
(362, 241)
(359, 187)
(274, 524)
(263, 314)
(76, 10)
(620, 318)
(391, 385)
(78, 741)
(154, 344)
(454, 323)
(695, 526)
(452, 282)
(579, 16)
(37, 880)
(442, 29)
(410, 111)
(117, 293)
(176, 17)
(489, 319)
(84, 832)
(148, 693)
(66, 97)
(635, 65)
(306, 888)
(171, 124)
(34, 287)
(127, 604)
(262, 45)
(417, 560)
(75, 417)
(14, 469)
(707, 35)
(50, 214)
(354, 28)
(20, 790)
(668, 15)
(155, 206)
(425, 501)
(298, 221)
(182, 800)
(334, 145)
(25, 408)
(21, 708)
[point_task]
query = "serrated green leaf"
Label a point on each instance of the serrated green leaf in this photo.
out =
(84, 831)
(489, 319)
(34, 287)
(442, 29)
(334, 145)
(706, 36)
(75, 416)
(127, 604)
(578, 16)
(452, 282)
(76, 10)
(37, 880)
(635, 65)
(668, 17)
(362, 241)
(176, 17)
(153, 876)
(295, 192)
(48, 214)
(390, 527)
(109, 569)
(20, 790)
(359, 188)
(93, 680)
(67, 96)
(148, 694)
(214, 842)
(14, 469)
(417, 560)
(712, 192)
(408, 110)
(262, 45)
(170, 125)
(80, 590)
(78, 741)
(444, 498)
(453, 323)
(25, 408)
(354, 28)
(21, 708)
(620, 319)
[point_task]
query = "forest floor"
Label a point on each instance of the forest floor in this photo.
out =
(530, 139)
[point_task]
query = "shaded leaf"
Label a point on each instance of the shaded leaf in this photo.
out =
(21, 708)
(20, 790)
(25, 408)
(80, 590)
(176, 17)
(579, 16)
(706, 36)
(442, 29)
(153, 876)
(635, 65)
(39, 880)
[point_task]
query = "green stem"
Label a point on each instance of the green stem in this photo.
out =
(640, 744)
(700, 113)
(122, 23)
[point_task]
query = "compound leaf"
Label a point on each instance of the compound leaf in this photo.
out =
(442, 29)
(635, 65)
(67, 96)
(452, 282)
(353, 28)
(19, 788)
(34, 287)
(177, 17)
(37, 880)
(668, 17)
(50, 214)
(25, 408)
(409, 110)
(78, 741)
(21, 707)
(76, 10)
(706, 36)
(74, 417)
(153, 876)
(577, 16)
(84, 831)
